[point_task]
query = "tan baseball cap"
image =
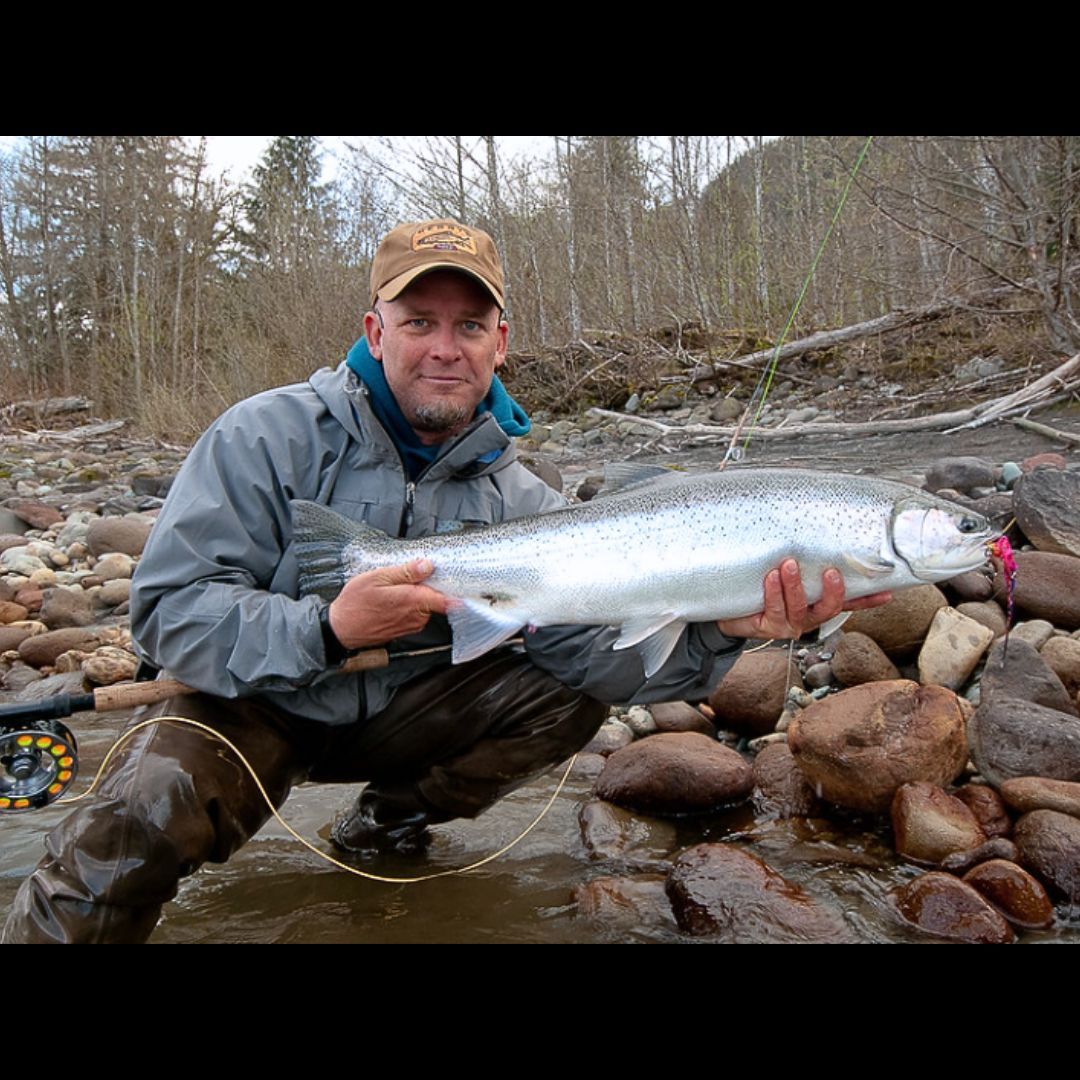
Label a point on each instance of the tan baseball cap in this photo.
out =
(416, 248)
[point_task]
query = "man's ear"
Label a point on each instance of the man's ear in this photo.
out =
(373, 331)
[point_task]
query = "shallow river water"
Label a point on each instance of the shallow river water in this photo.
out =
(276, 891)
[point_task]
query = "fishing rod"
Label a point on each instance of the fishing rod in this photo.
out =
(39, 757)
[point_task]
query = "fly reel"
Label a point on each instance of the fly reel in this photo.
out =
(38, 763)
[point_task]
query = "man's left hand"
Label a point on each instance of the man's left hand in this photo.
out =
(787, 613)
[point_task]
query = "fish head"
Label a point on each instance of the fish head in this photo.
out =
(939, 539)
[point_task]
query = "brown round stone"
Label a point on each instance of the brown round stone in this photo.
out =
(1047, 587)
(781, 788)
(1049, 844)
(625, 902)
(720, 889)
(987, 806)
(1014, 892)
(1027, 793)
(858, 746)
(859, 659)
(750, 698)
(679, 716)
(945, 906)
(900, 625)
(929, 824)
(43, 649)
(674, 774)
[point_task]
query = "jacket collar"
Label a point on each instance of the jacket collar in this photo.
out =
(481, 449)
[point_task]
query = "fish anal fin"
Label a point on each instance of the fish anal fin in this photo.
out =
(478, 628)
(657, 637)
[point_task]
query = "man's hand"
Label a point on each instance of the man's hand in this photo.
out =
(787, 614)
(380, 605)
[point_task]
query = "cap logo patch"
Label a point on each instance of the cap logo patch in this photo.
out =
(444, 237)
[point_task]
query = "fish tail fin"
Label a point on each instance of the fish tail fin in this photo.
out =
(320, 537)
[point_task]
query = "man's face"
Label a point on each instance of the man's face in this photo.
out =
(439, 343)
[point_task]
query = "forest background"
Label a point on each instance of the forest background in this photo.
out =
(135, 276)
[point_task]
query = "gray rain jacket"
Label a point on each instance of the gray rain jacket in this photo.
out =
(215, 601)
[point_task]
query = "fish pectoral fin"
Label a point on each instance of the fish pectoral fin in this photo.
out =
(657, 637)
(872, 567)
(830, 626)
(478, 628)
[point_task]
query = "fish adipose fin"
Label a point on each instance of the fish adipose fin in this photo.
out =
(478, 628)
(657, 637)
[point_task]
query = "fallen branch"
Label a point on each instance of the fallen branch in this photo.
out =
(1044, 429)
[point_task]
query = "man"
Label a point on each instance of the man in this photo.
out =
(412, 434)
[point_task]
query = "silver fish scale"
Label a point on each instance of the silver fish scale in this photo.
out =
(694, 547)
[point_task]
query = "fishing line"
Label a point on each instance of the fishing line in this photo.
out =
(290, 830)
(764, 383)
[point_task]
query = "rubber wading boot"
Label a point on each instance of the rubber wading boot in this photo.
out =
(390, 818)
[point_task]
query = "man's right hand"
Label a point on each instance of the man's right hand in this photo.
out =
(380, 605)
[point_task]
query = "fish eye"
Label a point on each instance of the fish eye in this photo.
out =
(968, 525)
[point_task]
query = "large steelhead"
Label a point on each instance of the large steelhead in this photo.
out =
(659, 554)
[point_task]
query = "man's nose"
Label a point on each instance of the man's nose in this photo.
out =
(444, 344)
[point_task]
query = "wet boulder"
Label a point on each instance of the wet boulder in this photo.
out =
(899, 626)
(1047, 587)
(1046, 503)
(857, 747)
(675, 774)
(929, 824)
(1014, 892)
(750, 697)
(859, 659)
(722, 890)
(781, 788)
(947, 907)
(1027, 793)
(1010, 738)
(1049, 845)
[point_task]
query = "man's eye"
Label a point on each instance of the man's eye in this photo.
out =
(418, 323)
(472, 326)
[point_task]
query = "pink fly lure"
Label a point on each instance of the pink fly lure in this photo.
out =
(1002, 549)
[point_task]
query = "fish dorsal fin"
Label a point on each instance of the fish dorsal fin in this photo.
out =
(658, 637)
(620, 476)
(478, 628)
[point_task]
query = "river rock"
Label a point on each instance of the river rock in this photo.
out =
(43, 649)
(66, 607)
(1036, 632)
(1047, 507)
(43, 688)
(1047, 587)
(110, 664)
(947, 907)
(588, 766)
(960, 473)
(972, 587)
(781, 788)
(720, 889)
(726, 409)
(113, 593)
(929, 824)
(988, 807)
(859, 659)
(751, 695)
(679, 716)
(127, 534)
(1049, 844)
(858, 746)
(19, 676)
(36, 514)
(818, 675)
(1014, 892)
(625, 902)
(114, 565)
(11, 637)
(1011, 738)
(954, 645)
(675, 774)
(11, 612)
(900, 625)
(1027, 793)
(613, 735)
(610, 832)
(1048, 460)
(18, 560)
(960, 862)
(1062, 654)
(1024, 675)
(988, 614)
(640, 721)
